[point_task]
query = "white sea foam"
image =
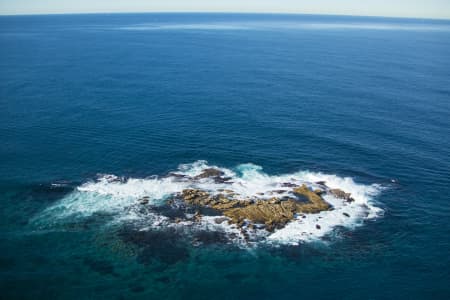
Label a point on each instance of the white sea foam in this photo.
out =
(119, 198)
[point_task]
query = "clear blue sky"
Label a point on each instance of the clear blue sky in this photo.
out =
(396, 8)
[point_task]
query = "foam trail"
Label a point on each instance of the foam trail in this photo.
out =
(120, 198)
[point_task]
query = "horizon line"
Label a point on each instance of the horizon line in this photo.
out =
(221, 12)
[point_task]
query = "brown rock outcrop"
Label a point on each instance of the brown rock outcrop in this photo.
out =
(338, 193)
(210, 172)
(274, 213)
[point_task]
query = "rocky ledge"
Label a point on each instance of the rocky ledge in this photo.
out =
(273, 213)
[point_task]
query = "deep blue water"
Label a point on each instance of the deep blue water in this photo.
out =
(137, 95)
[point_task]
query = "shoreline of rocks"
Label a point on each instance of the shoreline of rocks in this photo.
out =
(283, 206)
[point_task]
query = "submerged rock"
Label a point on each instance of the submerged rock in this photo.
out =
(279, 191)
(164, 246)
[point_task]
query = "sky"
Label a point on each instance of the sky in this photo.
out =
(390, 8)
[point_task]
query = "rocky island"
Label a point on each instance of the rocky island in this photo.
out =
(269, 210)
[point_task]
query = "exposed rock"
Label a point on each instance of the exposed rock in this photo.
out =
(319, 192)
(245, 235)
(195, 197)
(220, 220)
(210, 172)
(315, 202)
(346, 214)
(274, 201)
(176, 175)
(273, 213)
(321, 183)
(222, 180)
(197, 217)
(318, 226)
(289, 184)
(338, 193)
(201, 198)
(144, 200)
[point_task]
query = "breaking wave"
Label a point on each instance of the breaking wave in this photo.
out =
(122, 200)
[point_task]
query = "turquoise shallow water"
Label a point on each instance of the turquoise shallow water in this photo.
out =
(138, 95)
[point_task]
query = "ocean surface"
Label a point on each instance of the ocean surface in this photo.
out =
(97, 110)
